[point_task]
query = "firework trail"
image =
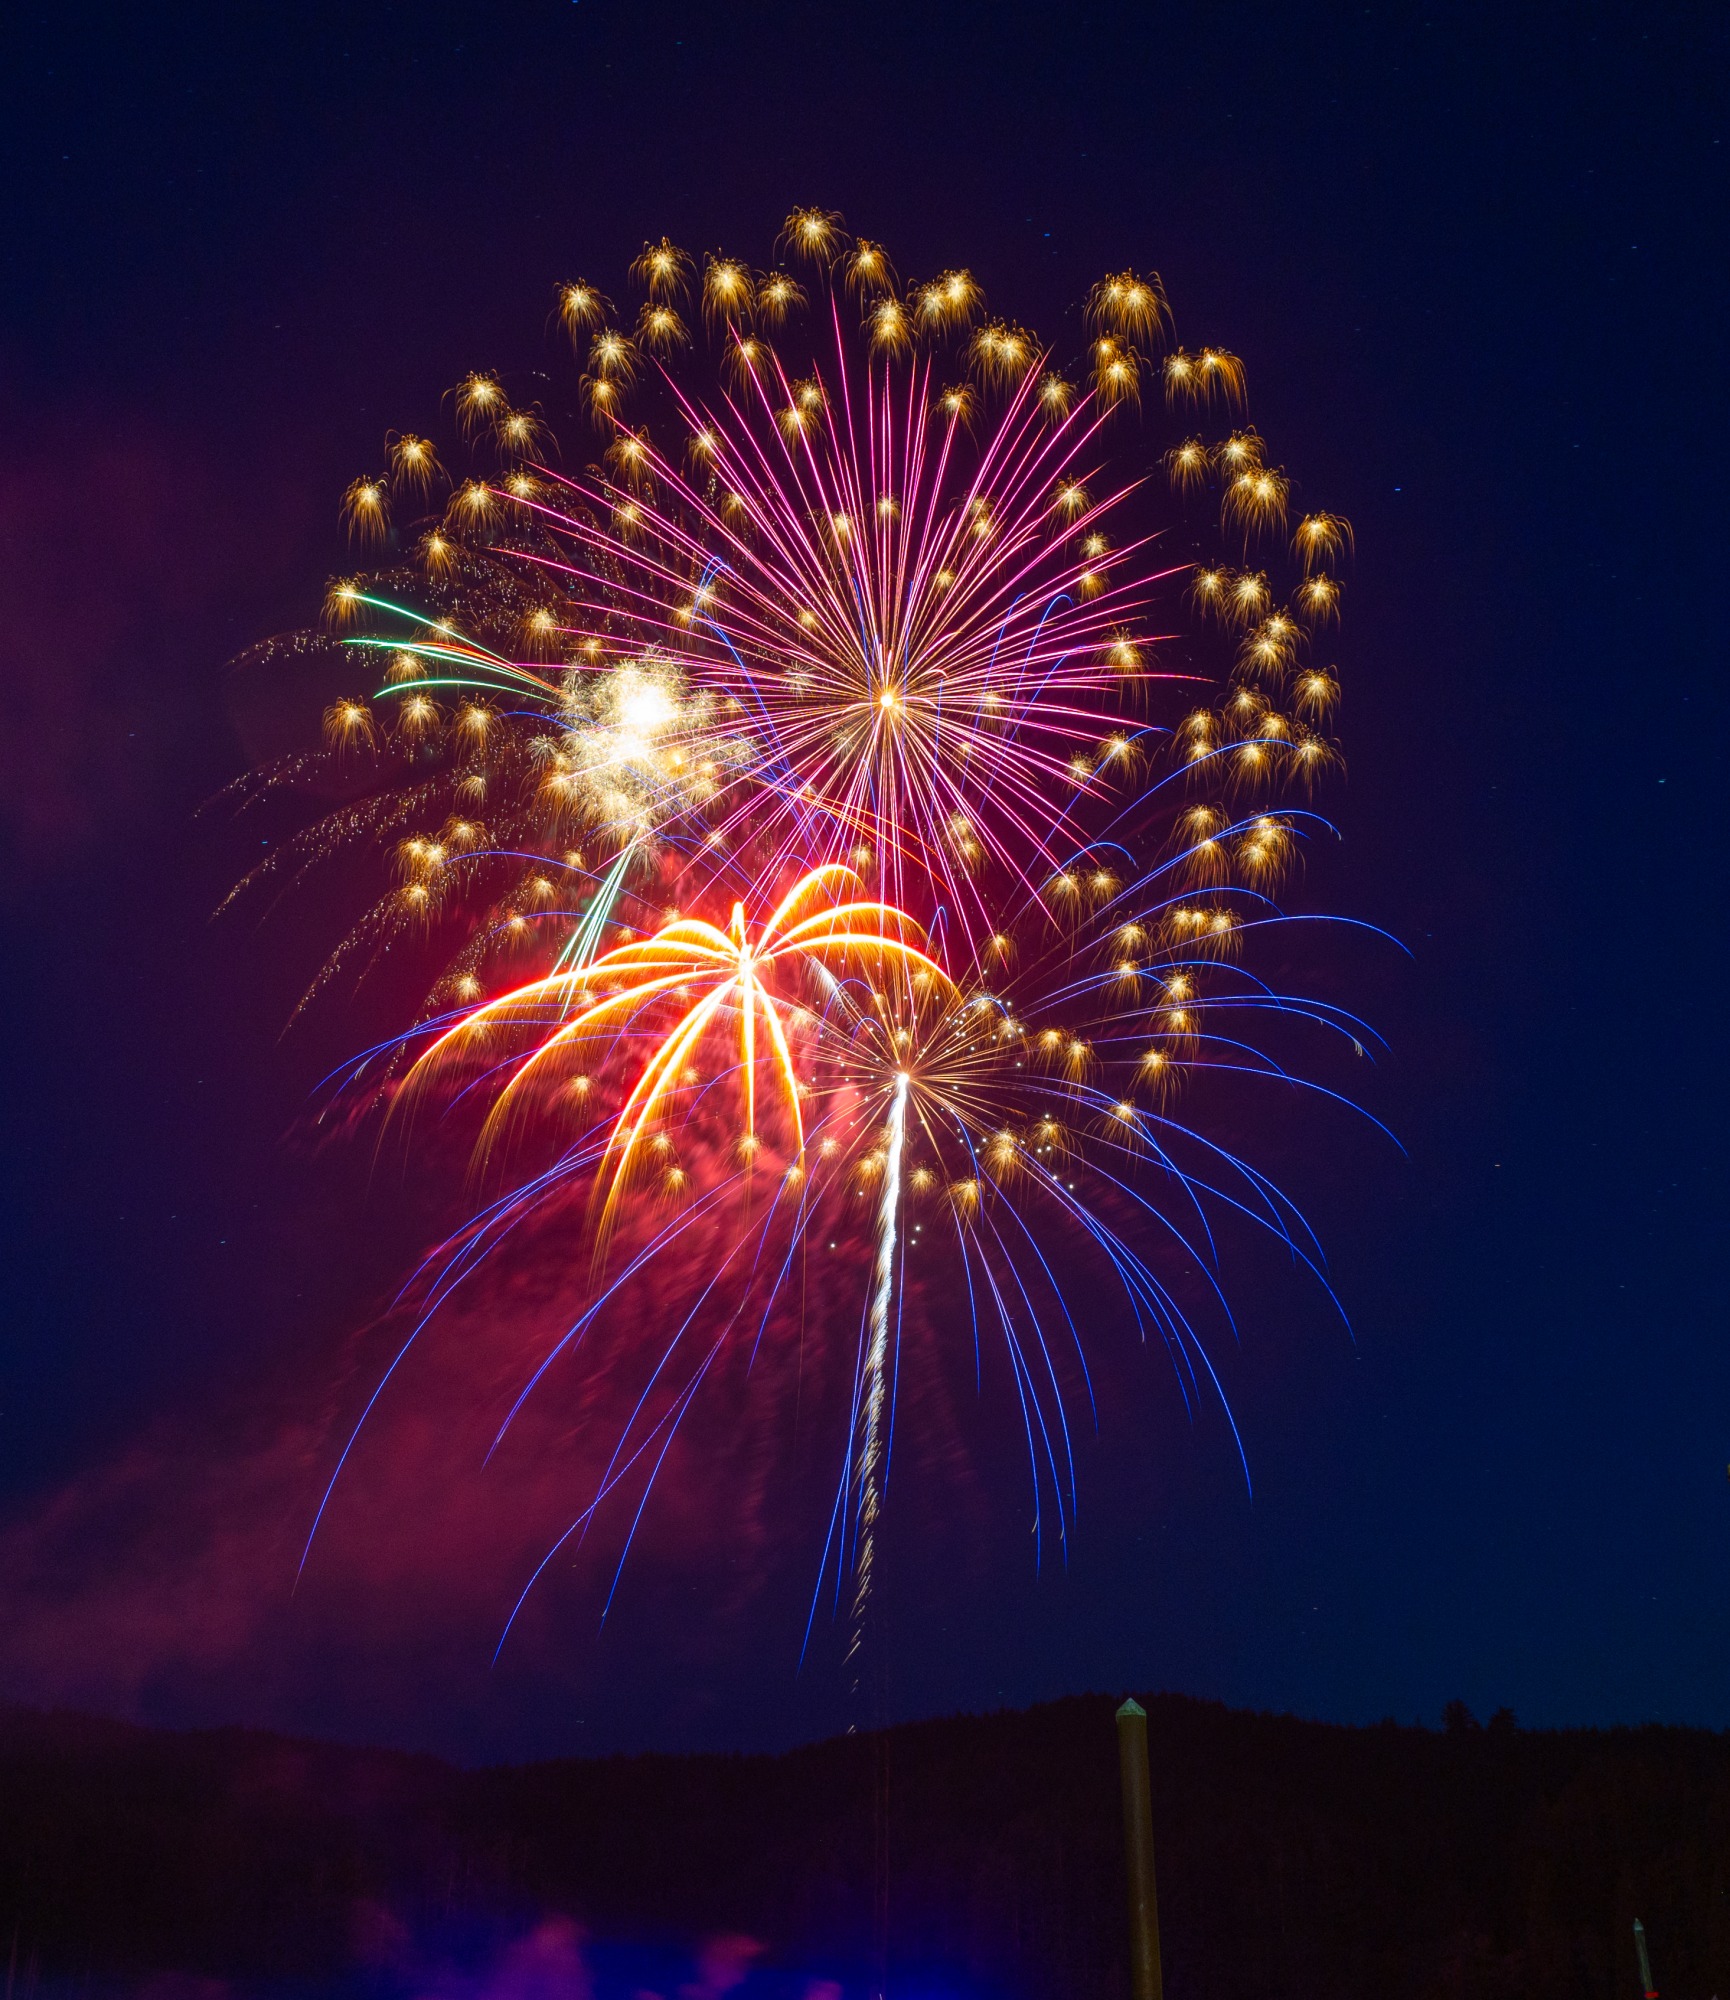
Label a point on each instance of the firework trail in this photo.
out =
(876, 1362)
(819, 812)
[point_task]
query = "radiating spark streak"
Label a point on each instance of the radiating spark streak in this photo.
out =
(1074, 1334)
(1057, 1404)
(1022, 1379)
(620, 1464)
(575, 1331)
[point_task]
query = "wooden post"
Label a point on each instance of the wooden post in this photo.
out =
(1145, 1982)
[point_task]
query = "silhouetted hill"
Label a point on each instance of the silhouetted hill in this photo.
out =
(1295, 1858)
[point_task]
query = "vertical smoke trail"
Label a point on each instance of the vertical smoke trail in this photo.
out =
(876, 1367)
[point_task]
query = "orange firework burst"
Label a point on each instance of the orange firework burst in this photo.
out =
(670, 991)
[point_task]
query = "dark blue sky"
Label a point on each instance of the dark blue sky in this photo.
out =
(1475, 260)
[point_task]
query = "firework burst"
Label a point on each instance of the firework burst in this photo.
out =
(816, 785)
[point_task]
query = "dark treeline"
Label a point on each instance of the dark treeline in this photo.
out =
(1295, 1858)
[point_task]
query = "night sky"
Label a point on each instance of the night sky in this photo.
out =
(1474, 260)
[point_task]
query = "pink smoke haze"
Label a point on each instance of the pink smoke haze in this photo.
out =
(166, 1583)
